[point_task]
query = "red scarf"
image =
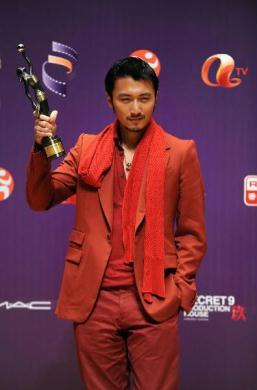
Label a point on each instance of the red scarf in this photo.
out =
(149, 154)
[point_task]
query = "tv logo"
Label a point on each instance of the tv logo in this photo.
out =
(56, 86)
(6, 184)
(250, 190)
(224, 72)
(150, 57)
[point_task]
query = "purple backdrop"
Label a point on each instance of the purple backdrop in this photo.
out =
(218, 338)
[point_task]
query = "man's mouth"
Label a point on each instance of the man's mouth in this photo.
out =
(134, 119)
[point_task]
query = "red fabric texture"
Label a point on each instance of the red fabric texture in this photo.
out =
(119, 333)
(118, 274)
(149, 154)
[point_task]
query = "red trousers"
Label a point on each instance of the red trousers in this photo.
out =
(120, 346)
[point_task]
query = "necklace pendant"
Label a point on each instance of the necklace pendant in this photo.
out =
(128, 166)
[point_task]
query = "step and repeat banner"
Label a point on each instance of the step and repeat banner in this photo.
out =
(205, 56)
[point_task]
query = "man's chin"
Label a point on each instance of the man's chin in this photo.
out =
(137, 127)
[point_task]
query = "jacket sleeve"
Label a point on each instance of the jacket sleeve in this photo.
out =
(44, 188)
(190, 236)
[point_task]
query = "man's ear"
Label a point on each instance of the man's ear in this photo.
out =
(109, 100)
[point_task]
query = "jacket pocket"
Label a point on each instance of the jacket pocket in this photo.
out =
(77, 237)
(74, 251)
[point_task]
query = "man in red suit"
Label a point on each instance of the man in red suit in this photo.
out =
(138, 237)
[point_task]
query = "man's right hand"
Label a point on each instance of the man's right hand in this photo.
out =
(45, 126)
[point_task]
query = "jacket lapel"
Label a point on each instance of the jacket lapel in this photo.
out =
(106, 195)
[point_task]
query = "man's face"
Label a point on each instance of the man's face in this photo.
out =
(133, 102)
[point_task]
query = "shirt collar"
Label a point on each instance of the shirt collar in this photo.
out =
(117, 137)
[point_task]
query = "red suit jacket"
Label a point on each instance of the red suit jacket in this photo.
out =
(90, 240)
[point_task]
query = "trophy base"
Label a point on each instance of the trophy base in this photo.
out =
(53, 147)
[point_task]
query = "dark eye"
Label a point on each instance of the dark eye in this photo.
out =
(144, 99)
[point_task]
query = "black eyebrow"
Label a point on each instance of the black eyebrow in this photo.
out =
(146, 94)
(123, 94)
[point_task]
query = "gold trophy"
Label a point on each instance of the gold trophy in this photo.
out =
(53, 146)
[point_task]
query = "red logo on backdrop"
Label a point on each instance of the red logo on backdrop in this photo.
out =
(224, 72)
(6, 184)
(250, 190)
(238, 313)
(150, 57)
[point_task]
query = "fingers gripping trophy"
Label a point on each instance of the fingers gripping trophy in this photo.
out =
(45, 124)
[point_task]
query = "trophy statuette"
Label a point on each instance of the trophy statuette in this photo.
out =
(53, 146)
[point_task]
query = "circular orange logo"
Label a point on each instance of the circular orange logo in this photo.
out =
(150, 57)
(6, 184)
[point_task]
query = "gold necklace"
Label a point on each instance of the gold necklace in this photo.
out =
(128, 164)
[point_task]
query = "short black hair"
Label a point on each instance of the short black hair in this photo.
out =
(133, 67)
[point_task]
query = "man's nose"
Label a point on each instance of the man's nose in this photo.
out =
(135, 108)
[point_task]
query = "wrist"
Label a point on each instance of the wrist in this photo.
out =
(38, 147)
